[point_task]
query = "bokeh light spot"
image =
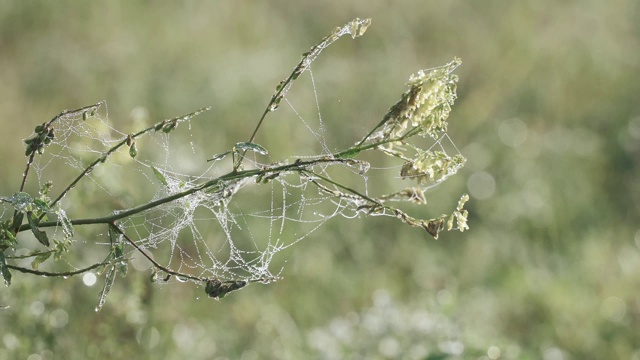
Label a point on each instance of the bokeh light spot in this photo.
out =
(37, 308)
(389, 347)
(553, 353)
(455, 348)
(148, 336)
(481, 185)
(493, 352)
(89, 279)
(512, 132)
(58, 318)
(10, 341)
(478, 157)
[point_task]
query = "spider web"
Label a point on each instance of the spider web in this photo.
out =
(232, 228)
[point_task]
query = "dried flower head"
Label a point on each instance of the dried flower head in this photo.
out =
(425, 105)
(432, 167)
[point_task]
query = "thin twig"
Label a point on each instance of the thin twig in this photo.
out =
(297, 166)
(356, 28)
(56, 274)
(120, 144)
(55, 118)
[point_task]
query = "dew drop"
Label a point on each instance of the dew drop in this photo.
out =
(182, 279)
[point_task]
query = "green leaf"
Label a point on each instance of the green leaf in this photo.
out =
(112, 235)
(39, 234)
(6, 274)
(119, 255)
(40, 259)
(17, 219)
(250, 147)
(122, 268)
(350, 154)
(118, 250)
(160, 176)
(111, 277)
(113, 251)
(220, 156)
(42, 205)
(7, 238)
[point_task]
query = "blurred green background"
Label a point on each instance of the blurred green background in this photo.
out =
(548, 116)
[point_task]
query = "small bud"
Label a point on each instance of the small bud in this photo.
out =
(133, 151)
(167, 128)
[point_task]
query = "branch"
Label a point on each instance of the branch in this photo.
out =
(356, 28)
(56, 274)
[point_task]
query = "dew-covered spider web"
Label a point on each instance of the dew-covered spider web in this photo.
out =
(234, 216)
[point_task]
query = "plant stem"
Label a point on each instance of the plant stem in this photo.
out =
(56, 274)
(297, 166)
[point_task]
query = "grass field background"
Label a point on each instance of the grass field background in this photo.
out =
(547, 115)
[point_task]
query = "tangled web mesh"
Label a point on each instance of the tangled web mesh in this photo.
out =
(205, 227)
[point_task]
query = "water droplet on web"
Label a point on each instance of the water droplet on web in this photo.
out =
(363, 167)
(182, 279)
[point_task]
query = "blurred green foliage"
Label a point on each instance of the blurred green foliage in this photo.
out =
(547, 115)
